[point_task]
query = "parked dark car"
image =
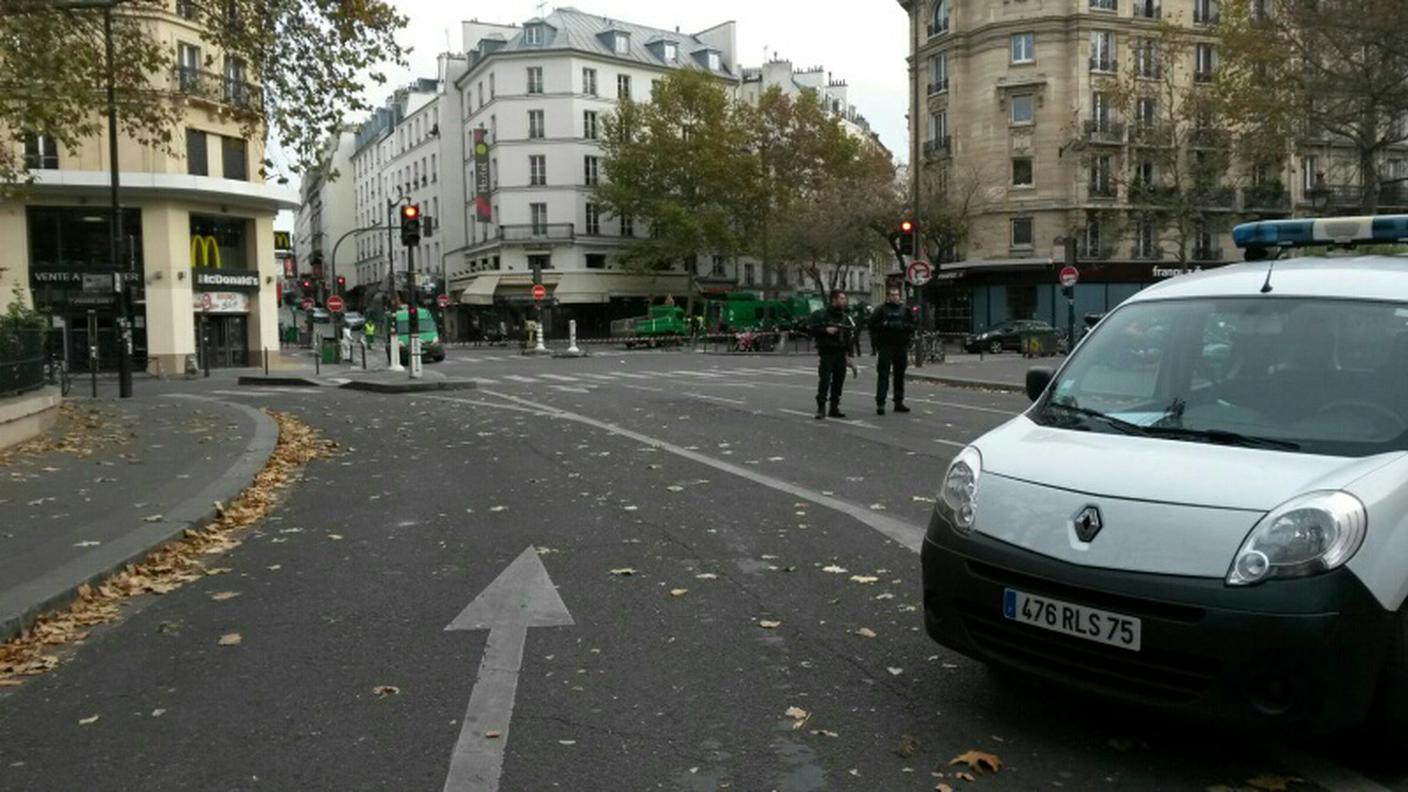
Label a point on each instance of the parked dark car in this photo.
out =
(1006, 336)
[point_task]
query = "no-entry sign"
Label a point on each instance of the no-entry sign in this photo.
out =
(1069, 276)
(335, 304)
(443, 300)
(540, 291)
(919, 272)
(307, 304)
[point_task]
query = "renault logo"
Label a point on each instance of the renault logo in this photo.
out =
(201, 249)
(1088, 523)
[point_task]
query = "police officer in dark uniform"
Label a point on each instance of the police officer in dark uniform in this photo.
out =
(833, 328)
(891, 328)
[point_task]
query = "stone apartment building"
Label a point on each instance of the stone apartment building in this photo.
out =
(1013, 105)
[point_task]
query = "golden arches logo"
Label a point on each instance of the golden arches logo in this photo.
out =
(204, 245)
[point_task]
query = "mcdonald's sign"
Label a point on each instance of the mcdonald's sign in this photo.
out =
(283, 240)
(201, 248)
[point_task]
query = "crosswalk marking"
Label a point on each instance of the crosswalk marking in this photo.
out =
(629, 375)
(570, 389)
(519, 378)
(558, 377)
(601, 377)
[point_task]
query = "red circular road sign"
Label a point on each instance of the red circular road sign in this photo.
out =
(919, 272)
(1069, 276)
(540, 291)
(443, 300)
(335, 304)
(307, 304)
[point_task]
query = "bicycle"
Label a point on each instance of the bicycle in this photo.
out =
(56, 373)
(928, 348)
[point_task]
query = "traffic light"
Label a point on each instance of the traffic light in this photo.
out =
(410, 225)
(307, 285)
(341, 283)
(905, 238)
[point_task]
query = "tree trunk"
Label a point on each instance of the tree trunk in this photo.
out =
(1369, 175)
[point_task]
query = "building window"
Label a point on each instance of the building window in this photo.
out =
(596, 261)
(748, 276)
(187, 9)
(1205, 56)
(589, 82)
(1146, 111)
(672, 51)
(623, 86)
(188, 67)
(197, 153)
(938, 125)
(233, 151)
(434, 171)
(589, 130)
(938, 73)
(593, 220)
(1024, 48)
(1147, 9)
(491, 86)
(1022, 109)
(1100, 185)
(535, 79)
(1022, 172)
(622, 44)
(1145, 240)
(1102, 51)
(940, 22)
(628, 226)
(493, 128)
(720, 268)
(481, 94)
(535, 124)
(1145, 174)
(1310, 175)
(533, 35)
(1022, 234)
(1104, 5)
(592, 167)
(1092, 240)
(715, 62)
(1100, 110)
(537, 170)
(1205, 12)
(1146, 59)
(538, 262)
(539, 214)
(41, 152)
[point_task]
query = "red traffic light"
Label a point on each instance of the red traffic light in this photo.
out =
(907, 227)
(307, 284)
(410, 212)
(341, 281)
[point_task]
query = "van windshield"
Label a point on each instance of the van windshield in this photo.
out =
(1310, 375)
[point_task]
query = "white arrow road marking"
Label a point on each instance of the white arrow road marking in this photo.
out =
(522, 596)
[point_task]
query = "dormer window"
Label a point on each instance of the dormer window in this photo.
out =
(622, 43)
(533, 35)
(714, 61)
(672, 51)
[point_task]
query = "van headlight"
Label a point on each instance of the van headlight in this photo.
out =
(1307, 535)
(958, 497)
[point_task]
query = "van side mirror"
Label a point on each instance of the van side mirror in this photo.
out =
(1038, 377)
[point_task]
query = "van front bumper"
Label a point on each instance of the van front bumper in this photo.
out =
(1302, 652)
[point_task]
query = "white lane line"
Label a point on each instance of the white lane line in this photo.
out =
(520, 378)
(559, 378)
(634, 376)
(570, 389)
(706, 397)
(645, 388)
(906, 534)
(846, 421)
(954, 405)
(468, 360)
(251, 393)
(704, 374)
(601, 377)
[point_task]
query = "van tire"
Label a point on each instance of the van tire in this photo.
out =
(1390, 712)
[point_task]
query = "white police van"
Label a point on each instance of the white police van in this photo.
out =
(1206, 508)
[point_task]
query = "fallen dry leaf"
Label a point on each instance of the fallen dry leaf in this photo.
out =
(493, 735)
(155, 518)
(706, 576)
(768, 624)
(835, 570)
(386, 690)
(942, 787)
(894, 671)
(864, 579)
(89, 720)
(824, 733)
(1269, 782)
(799, 716)
(679, 592)
(623, 572)
(221, 596)
(977, 761)
(965, 776)
(231, 639)
(865, 632)
(909, 744)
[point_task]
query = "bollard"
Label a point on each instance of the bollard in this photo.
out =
(266, 361)
(393, 353)
(540, 332)
(572, 336)
(415, 357)
(364, 356)
(317, 361)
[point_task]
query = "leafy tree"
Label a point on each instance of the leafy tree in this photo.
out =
(678, 165)
(306, 61)
(1331, 72)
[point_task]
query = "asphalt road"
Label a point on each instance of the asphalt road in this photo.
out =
(698, 473)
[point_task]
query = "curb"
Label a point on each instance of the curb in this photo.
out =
(23, 604)
(411, 386)
(281, 382)
(965, 382)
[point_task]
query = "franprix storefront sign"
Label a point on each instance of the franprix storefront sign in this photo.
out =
(225, 279)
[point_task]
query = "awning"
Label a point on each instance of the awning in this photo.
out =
(481, 291)
(600, 287)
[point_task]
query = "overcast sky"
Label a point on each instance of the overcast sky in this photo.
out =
(866, 48)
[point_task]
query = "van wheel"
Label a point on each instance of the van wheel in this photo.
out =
(1390, 712)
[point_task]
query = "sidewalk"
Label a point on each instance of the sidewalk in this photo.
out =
(118, 479)
(1005, 372)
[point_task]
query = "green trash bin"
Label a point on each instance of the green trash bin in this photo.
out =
(329, 351)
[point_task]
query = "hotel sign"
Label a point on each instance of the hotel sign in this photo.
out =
(483, 210)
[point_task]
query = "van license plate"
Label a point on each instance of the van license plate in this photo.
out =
(1063, 617)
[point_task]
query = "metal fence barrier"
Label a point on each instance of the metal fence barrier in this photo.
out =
(21, 360)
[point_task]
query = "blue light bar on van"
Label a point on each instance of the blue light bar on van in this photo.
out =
(1372, 230)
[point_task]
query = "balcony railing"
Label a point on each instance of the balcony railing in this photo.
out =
(1104, 5)
(1147, 254)
(1147, 9)
(538, 232)
(214, 87)
(1104, 131)
(1095, 252)
(1108, 65)
(1152, 135)
(938, 148)
(1150, 193)
(1103, 192)
(1216, 197)
(1266, 199)
(938, 86)
(1201, 17)
(1202, 76)
(1202, 253)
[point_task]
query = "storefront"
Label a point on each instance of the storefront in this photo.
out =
(223, 290)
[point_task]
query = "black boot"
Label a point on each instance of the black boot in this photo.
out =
(900, 408)
(880, 408)
(820, 409)
(836, 410)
